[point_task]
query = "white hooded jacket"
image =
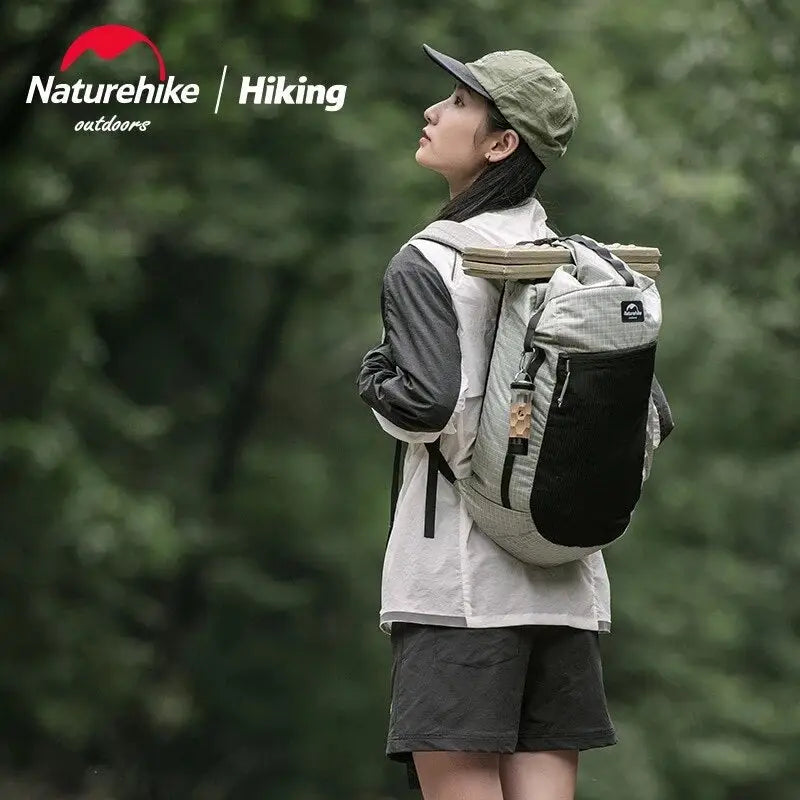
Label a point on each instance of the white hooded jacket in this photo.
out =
(425, 381)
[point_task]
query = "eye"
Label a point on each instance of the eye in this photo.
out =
(458, 100)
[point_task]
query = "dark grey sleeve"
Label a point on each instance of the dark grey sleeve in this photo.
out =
(413, 377)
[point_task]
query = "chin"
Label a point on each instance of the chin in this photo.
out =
(423, 159)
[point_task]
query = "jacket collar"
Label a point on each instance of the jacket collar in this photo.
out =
(521, 223)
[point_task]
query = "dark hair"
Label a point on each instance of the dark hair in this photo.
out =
(502, 184)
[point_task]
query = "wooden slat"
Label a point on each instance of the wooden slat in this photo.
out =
(478, 269)
(553, 254)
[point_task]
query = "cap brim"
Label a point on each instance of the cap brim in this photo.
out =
(456, 69)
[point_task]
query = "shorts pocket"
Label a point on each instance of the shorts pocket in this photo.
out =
(475, 647)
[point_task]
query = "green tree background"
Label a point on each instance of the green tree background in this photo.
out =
(194, 499)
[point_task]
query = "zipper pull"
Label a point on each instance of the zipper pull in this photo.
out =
(564, 387)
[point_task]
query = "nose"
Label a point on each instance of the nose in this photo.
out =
(429, 113)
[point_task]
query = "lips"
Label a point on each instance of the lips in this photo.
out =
(425, 136)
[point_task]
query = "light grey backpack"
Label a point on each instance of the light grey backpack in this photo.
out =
(572, 412)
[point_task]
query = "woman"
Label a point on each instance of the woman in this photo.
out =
(496, 677)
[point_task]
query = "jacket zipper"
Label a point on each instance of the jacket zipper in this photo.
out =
(593, 357)
(564, 387)
(611, 354)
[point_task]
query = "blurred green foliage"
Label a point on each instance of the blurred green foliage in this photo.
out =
(194, 498)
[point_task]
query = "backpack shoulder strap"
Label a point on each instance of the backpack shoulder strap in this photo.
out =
(453, 234)
(436, 465)
(665, 419)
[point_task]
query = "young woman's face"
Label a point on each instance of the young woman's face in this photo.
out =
(455, 143)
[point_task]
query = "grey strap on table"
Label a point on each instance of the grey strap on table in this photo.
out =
(619, 265)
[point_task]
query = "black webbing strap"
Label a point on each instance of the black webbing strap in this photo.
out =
(545, 240)
(531, 368)
(619, 265)
(398, 467)
(531, 330)
(505, 484)
(436, 465)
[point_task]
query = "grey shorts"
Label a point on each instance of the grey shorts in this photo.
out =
(517, 688)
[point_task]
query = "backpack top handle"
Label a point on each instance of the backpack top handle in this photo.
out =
(619, 265)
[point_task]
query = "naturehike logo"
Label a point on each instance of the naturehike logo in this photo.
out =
(274, 90)
(632, 311)
(109, 42)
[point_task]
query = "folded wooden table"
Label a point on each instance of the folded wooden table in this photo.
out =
(530, 262)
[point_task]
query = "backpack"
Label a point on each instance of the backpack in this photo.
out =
(572, 411)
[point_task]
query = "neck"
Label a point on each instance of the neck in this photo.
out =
(458, 185)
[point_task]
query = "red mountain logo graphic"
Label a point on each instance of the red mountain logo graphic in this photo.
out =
(108, 42)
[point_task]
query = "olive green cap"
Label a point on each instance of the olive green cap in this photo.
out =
(527, 91)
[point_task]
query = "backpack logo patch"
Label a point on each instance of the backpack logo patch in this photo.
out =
(632, 311)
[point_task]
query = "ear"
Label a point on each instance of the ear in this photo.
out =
(504, 146)
(510, 140)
